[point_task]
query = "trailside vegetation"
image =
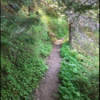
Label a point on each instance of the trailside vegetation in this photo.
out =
(24, 44)
(28, 29)
(79, 75)
(79, 72)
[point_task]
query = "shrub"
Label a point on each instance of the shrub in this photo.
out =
(21, 63)
(77, 82)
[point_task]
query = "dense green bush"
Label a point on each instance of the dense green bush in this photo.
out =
(22, 47)
(77, 82)
(58, 26)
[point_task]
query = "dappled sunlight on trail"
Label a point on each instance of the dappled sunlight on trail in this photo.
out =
(60, 41)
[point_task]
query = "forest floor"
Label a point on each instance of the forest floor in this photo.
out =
(48, 89)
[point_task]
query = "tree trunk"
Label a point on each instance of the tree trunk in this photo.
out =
(98, 15)
(30, 8)
(70, 33)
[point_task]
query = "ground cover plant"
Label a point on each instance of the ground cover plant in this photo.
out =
(25, 44)
(57, 26)
(79, 75)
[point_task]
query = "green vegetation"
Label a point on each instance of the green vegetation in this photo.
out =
(79, 75)
(78, 5)
(25, 44)
(58, 26)
(26, 41)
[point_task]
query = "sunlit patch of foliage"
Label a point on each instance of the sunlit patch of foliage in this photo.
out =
(58, 26)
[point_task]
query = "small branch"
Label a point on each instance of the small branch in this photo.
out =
(21, 30)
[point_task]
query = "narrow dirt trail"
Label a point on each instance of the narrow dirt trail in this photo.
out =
(49, 86)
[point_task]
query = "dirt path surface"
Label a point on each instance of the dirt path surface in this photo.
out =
(49, 85)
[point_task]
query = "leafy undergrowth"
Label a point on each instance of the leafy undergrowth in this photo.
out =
(58, 26)
(79, 75)
(24, 43)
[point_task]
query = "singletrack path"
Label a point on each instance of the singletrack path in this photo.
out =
(49, 86)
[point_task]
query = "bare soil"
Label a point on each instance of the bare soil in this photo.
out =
(48, 89)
